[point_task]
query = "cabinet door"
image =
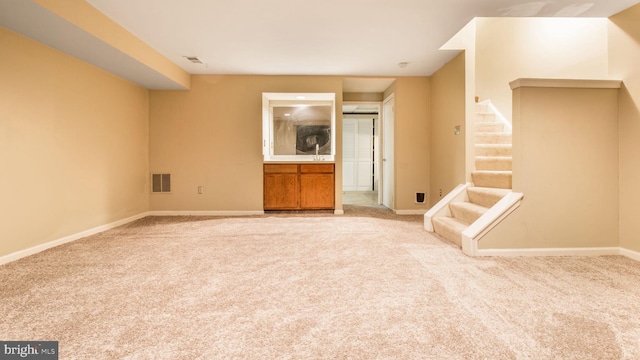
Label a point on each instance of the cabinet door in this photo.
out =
(317, 191)
(281, 191)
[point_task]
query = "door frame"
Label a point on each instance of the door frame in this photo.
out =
(387, 178)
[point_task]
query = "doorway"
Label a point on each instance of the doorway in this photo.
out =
(360, 154)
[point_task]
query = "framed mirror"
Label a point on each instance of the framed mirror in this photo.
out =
(298, 126)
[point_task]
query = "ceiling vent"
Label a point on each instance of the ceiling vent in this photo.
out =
(194, 59)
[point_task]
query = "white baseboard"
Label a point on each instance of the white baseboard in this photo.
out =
(205, 213)
(42, 247)
(595, 251)
(630, 254)
(410, 212)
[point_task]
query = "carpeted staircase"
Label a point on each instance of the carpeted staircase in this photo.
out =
(491, 179)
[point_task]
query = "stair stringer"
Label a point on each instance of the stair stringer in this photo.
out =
(492, 218)
(441, 208)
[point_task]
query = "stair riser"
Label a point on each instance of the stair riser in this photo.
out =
(464, 214)
(493, 150)
(482, 108)
(486, 197)
(486, 200)
(485, 117)
(494, 164)
(489, 127)
(493, 138)
(448, 232)
(492, 180)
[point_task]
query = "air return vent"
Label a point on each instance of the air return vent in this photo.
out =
(193, 59)
(161, 183)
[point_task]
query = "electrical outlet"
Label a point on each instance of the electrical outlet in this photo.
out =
(200, 189)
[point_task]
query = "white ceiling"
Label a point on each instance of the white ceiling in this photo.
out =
(351, 38)
(328, 37)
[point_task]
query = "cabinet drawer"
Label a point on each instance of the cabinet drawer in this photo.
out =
(316, 168)
(280, 168)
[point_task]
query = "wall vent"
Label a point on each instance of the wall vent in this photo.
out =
(161, 183)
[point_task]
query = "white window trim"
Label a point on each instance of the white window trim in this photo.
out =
(269, 99)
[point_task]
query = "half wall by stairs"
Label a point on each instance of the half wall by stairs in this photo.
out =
(472, 209)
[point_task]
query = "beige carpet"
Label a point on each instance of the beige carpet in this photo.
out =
(314, 287)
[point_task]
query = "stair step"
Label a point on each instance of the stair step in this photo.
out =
(492, 179)
(493, 149)
(486, 197)
(449, 228)
(494, 163)
(489, 127)
(482, 108)
(466, 211)
(485, 117)
(493, 138)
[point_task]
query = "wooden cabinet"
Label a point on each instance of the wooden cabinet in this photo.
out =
(299, 186)
(281, 186)
(317, 186)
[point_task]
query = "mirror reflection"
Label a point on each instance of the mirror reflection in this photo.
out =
(302, 130)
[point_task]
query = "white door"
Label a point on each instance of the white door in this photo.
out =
(348, 154)
(387, 152)
(357, 154)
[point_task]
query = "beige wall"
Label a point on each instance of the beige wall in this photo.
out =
(465, 40)
(624, 57)
(73, 145)
(565, 161)
(363, 97)
(512, 48)
(447, 152)
(211, 136)
(411, 141)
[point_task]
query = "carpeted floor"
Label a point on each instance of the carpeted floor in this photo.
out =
(311, 287)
